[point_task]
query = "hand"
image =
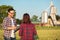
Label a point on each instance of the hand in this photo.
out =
(13, 28)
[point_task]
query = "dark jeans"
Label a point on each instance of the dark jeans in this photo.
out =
(5, 38)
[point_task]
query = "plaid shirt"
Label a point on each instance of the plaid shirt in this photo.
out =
(27, 31)
(7, 23)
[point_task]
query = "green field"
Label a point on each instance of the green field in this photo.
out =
(44, 33)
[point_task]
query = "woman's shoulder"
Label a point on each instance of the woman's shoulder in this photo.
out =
(27, 24)
(21, 24)
(32, 24)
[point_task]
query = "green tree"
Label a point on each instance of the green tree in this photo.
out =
(57, 17)
(34, 18)
(40, 18)
(18, 21)
(3, 12)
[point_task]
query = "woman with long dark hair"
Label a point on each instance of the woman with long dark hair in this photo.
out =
(27, 29)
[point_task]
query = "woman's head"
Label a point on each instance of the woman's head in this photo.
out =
(26, 18)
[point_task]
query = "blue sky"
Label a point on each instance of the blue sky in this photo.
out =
(33, 7)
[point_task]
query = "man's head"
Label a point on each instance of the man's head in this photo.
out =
(11, 12)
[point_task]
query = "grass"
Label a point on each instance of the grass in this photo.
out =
(1, 35)
(44, 33)
(48, 34)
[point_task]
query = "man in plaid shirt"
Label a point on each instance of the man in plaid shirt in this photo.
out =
(7, 25)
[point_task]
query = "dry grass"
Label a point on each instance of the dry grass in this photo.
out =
(43, 33)
(48, 34)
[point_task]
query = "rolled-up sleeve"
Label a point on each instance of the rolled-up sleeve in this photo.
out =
(5, 24)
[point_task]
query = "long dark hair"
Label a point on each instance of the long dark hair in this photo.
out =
(24, 19)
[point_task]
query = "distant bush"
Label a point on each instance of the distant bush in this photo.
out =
(47, 27)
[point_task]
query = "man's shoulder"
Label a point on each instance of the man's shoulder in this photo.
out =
(5, 18)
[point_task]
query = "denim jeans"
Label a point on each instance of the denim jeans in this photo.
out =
(5, 38)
